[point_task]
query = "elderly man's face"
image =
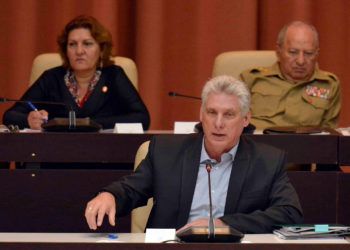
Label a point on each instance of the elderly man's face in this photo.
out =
(298, 55)
(222, 123)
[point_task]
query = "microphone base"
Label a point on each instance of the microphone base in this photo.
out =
(63, 125)
(201, 234)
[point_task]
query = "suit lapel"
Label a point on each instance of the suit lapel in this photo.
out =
(239, 171)
(190, 166)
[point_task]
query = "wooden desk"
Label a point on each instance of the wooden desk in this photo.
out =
(55, 200)
(52, 200)
(121, 148)
(136, 241)
(304, 149)
(70, 147)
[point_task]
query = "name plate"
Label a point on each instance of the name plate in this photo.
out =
(128, 128)
(184, 127)
(157, 235)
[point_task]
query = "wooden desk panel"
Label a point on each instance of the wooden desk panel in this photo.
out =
(318, 195)
(54, 200)
(344, 199)
(304, 149)
(344, 150)
(70, 147)
(121, 148)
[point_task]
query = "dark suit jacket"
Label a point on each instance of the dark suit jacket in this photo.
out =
(259, 193)
(120, 103)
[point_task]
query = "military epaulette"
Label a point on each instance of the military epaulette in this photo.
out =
(331, 75)
(258, 70)
(326, 76)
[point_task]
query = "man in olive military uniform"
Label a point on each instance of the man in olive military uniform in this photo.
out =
(294, 91)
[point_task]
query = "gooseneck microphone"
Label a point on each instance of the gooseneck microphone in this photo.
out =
(171, 93)
(211, 227)
(210, 233)
(198, 126)
(3, 100)
(71, 117)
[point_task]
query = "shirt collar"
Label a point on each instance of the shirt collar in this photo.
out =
(229, 156)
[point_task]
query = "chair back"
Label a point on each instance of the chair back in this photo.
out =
(234, 62)
(139, 216)
(50, 60)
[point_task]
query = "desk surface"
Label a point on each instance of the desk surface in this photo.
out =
(140, 238)
(121, 148)
(134, 241)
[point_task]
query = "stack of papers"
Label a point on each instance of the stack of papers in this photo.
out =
(3, 128)
(307, 232)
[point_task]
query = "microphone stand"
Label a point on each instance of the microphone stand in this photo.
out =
(72, 119)
(210, 233)
(211, 226)
(174, 94)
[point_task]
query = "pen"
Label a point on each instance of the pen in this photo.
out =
(31, 105)
(112, 236)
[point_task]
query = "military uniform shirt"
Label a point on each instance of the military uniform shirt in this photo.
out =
(277, 102)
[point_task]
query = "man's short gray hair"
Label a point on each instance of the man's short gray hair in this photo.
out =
(282, 34)
(230, 86)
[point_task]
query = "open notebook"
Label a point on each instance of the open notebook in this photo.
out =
(311, 231)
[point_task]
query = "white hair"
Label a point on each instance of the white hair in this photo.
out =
(230, 86)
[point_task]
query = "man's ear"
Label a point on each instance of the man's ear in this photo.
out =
(278, 52)
(317, 54)
(247, 119)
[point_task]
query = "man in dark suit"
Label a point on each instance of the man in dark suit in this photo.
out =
(250, 188)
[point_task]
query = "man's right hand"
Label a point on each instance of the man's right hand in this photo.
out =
(96, 209)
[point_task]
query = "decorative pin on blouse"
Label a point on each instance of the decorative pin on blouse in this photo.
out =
(104, 89)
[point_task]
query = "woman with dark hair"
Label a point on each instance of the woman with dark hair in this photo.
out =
(88, 82)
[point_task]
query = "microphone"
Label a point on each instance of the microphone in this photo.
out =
(61, 124)
(174, 94)
(210, 233)
(4, 100)
(209, 165)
